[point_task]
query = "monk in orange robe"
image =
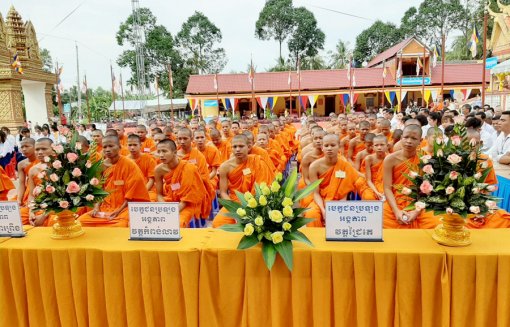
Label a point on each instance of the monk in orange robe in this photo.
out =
(338, 176)
(226, 126)
(179, 181)
(123, 151)
(145, 162)
(211, 154)
(344, 142)
(147, 144)
(195, 157)
(308, 159)
(398, 145)
(97, 138)
(395, 167)
(119, 128)
(239, 174)
(254, 149)
(223, 147)
(277, 160)
(27, 148)
(357, 144)
(5, 185)
(169, 133)
(499, 218)
(275, 143)
(280, 138)
(38, 218)
(359, 163)
(374, 169)
(124, 181)
(342, 128)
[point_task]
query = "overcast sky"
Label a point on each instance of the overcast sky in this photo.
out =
(96, 22)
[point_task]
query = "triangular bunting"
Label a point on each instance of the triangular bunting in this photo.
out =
(426, 96)
(263, 102)
(434, 93)
(224, 101)
(303, 100)
(393, 94)
(312, 99)
(275, 99)
(355, 98)
(387, 94)
(468, 93)
(397, 94)
(345, 99)
(452, 94)
(463, 91)
(260, 103)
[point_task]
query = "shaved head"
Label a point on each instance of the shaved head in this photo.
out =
(413, 128)
(111, 138)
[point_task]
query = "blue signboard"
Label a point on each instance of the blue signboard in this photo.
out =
(67, 108)
(491, 62)
(414, 81)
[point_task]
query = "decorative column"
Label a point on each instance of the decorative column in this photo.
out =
(49, 100)
(11, 111)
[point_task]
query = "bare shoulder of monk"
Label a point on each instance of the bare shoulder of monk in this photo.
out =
(161, 169)
(320, 166)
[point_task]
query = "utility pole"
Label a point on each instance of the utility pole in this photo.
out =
(485, 17)
(80, 114)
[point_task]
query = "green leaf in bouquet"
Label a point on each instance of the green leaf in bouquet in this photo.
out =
(290, 184)
(298, 236)
(458, 204)
(258, 192)
(94, 170)
(300, 222)
(440, 187)
(469, 181)
(230, 205)
(307, 190)
(247, 242)
(485, 173)
(100, 192)
(83, 188)
(461, 192)
(436, 199)
(299, 211)
(235, 216)
(241, 198)
(409, 207)
(268, 253)
(233, 228)
(66, 178)
(285, 250)
(476, 201)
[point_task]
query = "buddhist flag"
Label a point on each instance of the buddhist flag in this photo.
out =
(216, 82)
(349, 69)
(289, 81)
(60, 85)
(84, 87)
(354, 78)
(418, 66)
(299, 69)
(474, 42)
(399, 70)
(345, 99)
(384, 70)
(435, 54)
(251, 74)
(170, 76)
(354, 99)
(16, 64)
(399, 99)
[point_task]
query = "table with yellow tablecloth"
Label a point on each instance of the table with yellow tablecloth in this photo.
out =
(99, 279)
(102, 279)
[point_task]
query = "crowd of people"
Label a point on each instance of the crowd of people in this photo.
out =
(357, 156)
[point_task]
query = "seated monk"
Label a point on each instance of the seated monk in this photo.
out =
(124, 181)
(211, 154)
(119, 128)
(338, 176)
(97, 138)
(395, 138)
(374, 169)
(395, 167)
(5, 185)
(499, 218)
(308, 159)
(145, 162)
(147, 144)
(357, 144)
(27, 148)
(195, 157)
(179, 181)
(43, 148)
(341, 130)
(277, 160)
(344, 142)
(254, 149)
(223, 147)
(169, 133)
(359, 163)
(239, 174)
(397, 146)
(123, 149)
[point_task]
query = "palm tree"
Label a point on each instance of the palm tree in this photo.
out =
(340, 57)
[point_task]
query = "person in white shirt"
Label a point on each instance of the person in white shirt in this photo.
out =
(6, 149)
(500, 151)
(38, 132)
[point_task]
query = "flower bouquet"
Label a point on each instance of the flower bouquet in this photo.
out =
(70, 179)
(451, 180)
(270, 217)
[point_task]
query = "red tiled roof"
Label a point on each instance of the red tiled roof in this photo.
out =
(389, 53)
(323, 80)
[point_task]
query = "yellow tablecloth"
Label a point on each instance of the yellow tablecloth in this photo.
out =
(102, 279)
(402, 281)
(99, 279)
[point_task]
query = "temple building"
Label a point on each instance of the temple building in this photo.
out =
(25, 88)
(408, 71)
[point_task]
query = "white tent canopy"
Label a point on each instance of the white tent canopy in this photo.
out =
(503, 67)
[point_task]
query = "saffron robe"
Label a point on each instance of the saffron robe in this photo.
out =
(147, 164)
(213, 159)
(197, 158)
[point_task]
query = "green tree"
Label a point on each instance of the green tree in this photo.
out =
(439, 17)
(316, 62)
(198, 40)
(339, 58)
(159, 50)
(409, 23)
(306, 39)
(276, 21)
(375, 39)
(46, 59)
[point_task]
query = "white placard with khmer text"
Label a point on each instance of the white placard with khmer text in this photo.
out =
(154, 221)
(10, 220)
(358, 221)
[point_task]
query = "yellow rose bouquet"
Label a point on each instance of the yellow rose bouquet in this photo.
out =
(270, 217)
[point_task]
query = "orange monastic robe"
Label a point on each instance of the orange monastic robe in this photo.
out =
(197, 158)
(24, 211)
(124, 181)
(148, 145)
(147, 164)
(184, 184)
(333, 187)
(500, 218)
(377, 180)
(243, 178)
(212, 157)
(225, 149)
(264, 155)
(123, 141)
(357, 149)
(425, 220)
(5, 184)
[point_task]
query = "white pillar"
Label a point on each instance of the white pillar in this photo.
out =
(35, 102)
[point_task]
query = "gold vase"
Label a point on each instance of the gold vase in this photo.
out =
(67, 226)
(452, 231)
